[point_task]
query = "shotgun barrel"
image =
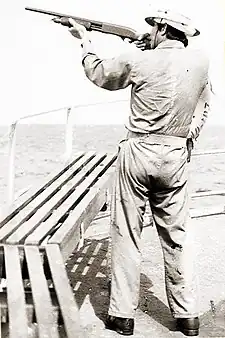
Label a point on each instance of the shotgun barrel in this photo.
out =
(92, 25)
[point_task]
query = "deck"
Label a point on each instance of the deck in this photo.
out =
(87, 270)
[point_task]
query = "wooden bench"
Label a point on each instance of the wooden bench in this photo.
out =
(38, 236)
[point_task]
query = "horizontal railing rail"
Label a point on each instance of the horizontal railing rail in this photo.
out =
(10, 139)
(208, 193)
(11, 136)
(209, 152)
(98, 103)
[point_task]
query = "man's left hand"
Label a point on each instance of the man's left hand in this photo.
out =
(77, 30)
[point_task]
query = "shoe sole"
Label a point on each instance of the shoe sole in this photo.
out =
(119, 331)
(190, 333)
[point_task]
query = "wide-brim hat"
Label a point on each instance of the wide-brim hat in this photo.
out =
(176, 20)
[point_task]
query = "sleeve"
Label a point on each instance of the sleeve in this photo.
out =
(111, 74)
(201, 113)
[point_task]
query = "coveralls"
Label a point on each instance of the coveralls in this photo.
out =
(166, 85)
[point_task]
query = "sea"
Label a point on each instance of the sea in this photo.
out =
(40, 149)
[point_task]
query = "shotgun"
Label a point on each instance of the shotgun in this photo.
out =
(91, 25)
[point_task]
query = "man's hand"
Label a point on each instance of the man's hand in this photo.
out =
(143, 41)
(77, 30)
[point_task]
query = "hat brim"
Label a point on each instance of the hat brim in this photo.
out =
(189, 31)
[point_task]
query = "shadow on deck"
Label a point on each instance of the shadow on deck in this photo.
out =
(87, 270)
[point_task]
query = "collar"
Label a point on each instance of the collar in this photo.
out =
(170, 44)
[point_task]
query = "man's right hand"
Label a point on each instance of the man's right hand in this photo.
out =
(143, 41)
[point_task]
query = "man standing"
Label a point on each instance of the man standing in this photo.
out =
(166, 82)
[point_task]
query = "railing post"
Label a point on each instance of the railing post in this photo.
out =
(11, 165)
(68, 136)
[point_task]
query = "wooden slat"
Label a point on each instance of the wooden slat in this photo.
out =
(53, 204)
(67, 303)
(36, 236)
(18, 323)
(39, 233)
(68, 235)
(35, 205)
(32, 193)
(29, 304)
(91, 207)
(47, 326)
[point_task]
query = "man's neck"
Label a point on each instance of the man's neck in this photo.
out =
(168, 43)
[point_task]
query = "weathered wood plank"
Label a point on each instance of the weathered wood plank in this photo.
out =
(36, 190)
(29, 305)
(68, 235)
(43, 198)
(18, 323)
(68, 306)
(53, 204)
(47, 326)
(81, 182)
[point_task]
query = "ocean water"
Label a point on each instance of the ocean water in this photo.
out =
(40, 149)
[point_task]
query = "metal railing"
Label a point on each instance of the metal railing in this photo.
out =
(68, 148)
(68, 138)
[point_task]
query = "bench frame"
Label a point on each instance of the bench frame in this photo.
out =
(43, 229)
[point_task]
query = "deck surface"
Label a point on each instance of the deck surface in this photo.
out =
(88, 271)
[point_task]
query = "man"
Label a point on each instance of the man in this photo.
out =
(167, 81)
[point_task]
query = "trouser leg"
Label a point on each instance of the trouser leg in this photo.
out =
(171, 216)
(127, 209)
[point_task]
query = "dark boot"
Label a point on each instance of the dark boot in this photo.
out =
(124, 326)
(188, 326)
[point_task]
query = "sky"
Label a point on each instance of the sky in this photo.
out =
(41, 62)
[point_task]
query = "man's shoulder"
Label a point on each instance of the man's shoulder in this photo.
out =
(199, 53)
(135, 55)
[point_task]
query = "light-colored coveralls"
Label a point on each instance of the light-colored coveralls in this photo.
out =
(166, 84)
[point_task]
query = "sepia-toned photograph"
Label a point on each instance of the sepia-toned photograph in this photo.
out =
(112, 175)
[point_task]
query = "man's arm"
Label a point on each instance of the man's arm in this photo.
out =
(111, 74)
(201, 114)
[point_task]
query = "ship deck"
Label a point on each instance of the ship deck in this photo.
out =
(87, 270)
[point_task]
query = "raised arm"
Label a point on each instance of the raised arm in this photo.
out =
(111, 74)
